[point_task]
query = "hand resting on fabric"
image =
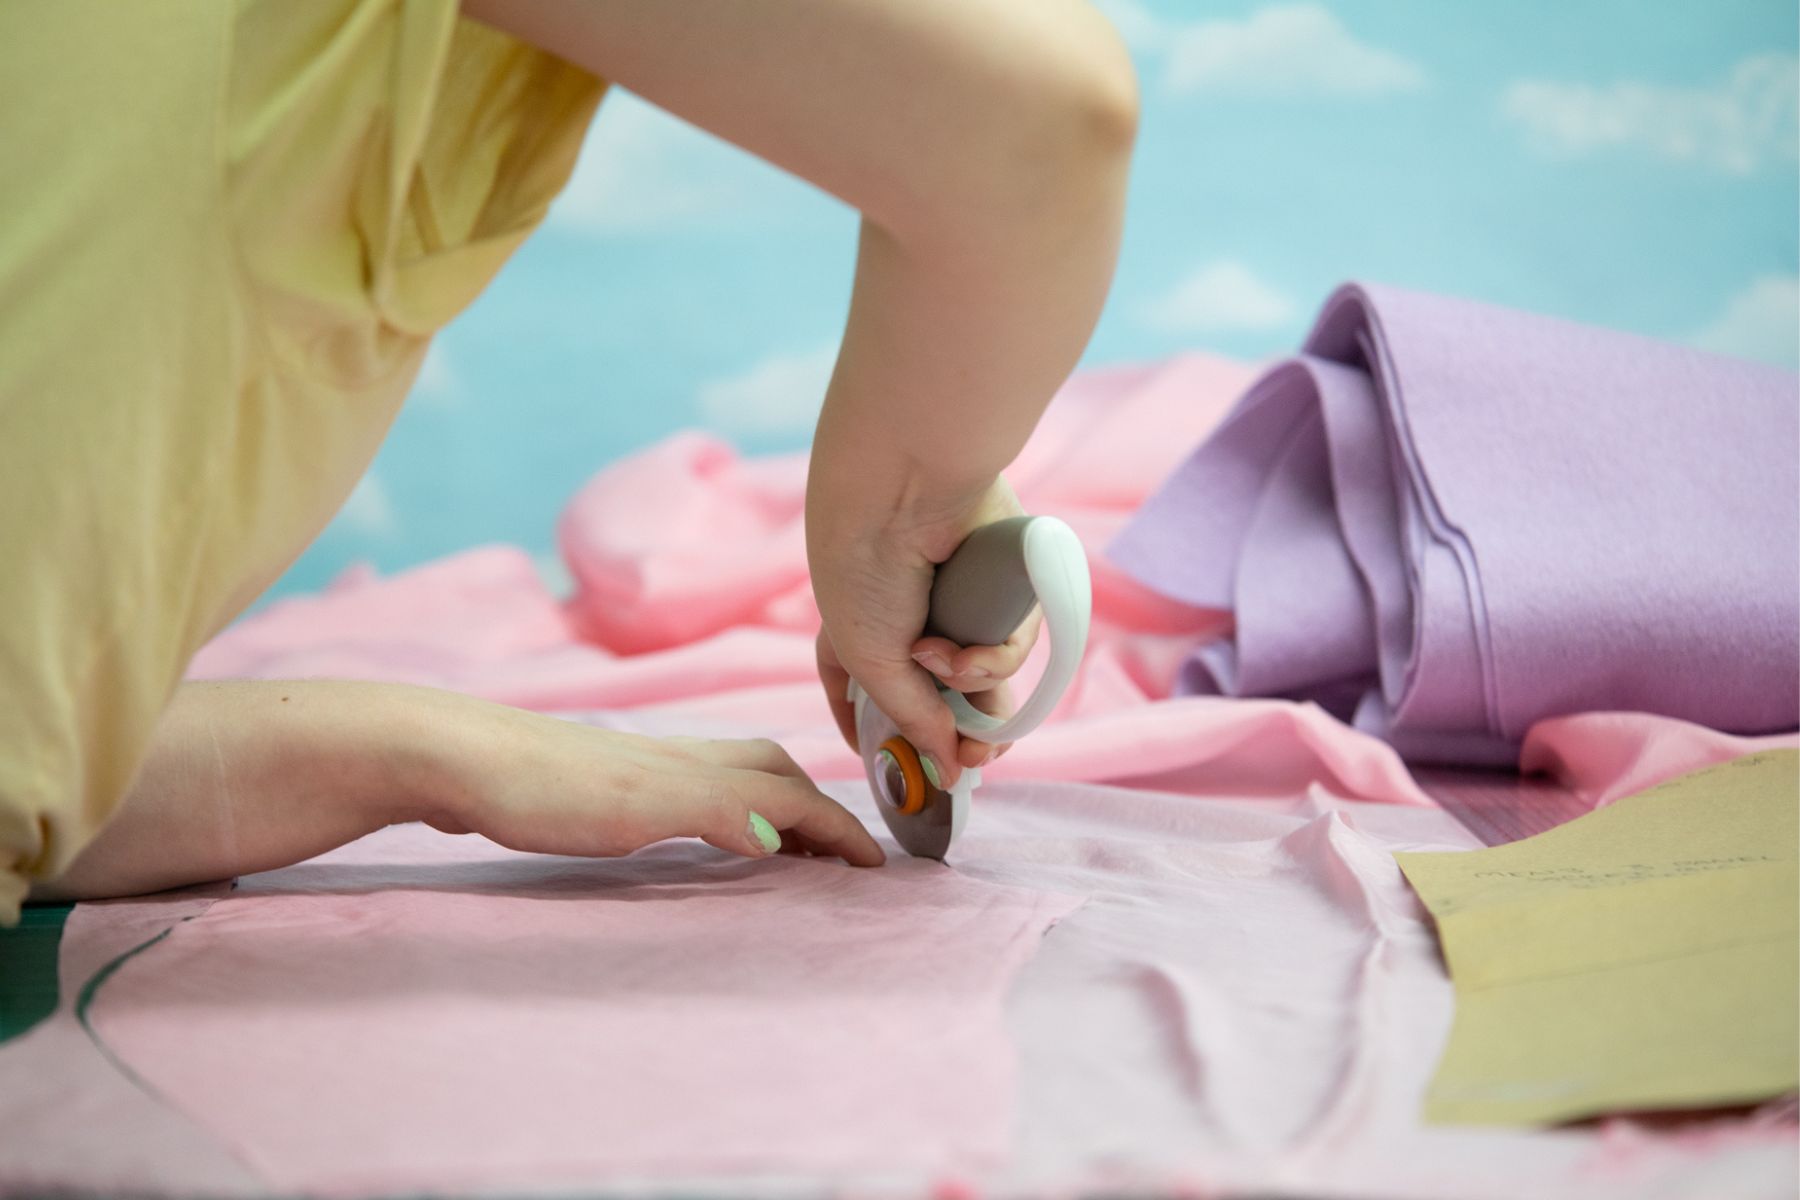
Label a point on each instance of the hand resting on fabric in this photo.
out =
(247, 776)
(543, 785)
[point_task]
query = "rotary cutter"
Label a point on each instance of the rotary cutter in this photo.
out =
(980, 595)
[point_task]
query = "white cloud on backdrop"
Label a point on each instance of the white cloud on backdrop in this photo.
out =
(1762, 321)
(1750, 119)
(369, 511)
(642, 170)
(782, 394)
(1219, 297)
(1282, 50)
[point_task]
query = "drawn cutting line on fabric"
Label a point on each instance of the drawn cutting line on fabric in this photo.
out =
(85, 999)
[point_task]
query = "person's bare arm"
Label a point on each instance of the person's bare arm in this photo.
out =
(986, 143)
(249, 776)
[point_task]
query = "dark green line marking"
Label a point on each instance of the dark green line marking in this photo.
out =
(86, 999)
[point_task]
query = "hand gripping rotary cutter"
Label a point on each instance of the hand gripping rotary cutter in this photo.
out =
(980, 595)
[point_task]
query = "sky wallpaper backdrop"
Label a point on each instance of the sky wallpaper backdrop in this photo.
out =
(1629, 163)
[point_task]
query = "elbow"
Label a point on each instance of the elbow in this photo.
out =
(1101, 104)
(1035, 130)
(1063, 146)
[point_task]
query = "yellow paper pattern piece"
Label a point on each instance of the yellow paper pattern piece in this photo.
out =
(1644, 956)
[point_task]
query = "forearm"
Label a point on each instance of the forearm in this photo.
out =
(951, 354)
(961, 331)
(248, 776)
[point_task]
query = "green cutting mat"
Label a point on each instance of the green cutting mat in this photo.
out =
(28, 967)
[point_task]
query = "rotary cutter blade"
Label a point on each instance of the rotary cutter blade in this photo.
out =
(923, 817)
(980, 595)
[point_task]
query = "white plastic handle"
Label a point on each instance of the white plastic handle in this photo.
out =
(1057, 567)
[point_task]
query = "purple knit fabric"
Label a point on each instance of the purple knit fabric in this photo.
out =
(1445, 521)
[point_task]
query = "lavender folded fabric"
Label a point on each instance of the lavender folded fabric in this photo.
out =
(1444, 521)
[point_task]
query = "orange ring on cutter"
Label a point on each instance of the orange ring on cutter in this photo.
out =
(911, 771)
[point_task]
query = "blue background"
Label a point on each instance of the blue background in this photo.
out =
(1630, 163)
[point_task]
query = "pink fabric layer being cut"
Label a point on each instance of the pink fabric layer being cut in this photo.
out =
(420, 1011)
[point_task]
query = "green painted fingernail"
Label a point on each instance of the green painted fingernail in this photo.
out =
(931, 771)
(764, 833)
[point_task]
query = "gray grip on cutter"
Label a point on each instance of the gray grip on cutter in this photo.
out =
(982, 592)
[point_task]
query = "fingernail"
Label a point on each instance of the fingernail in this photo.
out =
(935, 663)
(977, 673)
(931, 771)
(990, 756)
(764, 833)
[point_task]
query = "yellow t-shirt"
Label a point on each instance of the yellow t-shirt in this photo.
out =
(229, 231)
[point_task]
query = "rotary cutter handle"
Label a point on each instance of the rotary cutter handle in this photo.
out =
(980, 595)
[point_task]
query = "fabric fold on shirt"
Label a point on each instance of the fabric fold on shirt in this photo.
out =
(1445, 521)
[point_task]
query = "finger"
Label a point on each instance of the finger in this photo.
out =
(749, 754)
(940, 656)
(997, 702)
(819, 823)
(1004, 660)
(837, 688)
(906, 695)
(726, 808)
(762, 754)
(978, 668)
(910, 699)
(800, 847)
(743, 812)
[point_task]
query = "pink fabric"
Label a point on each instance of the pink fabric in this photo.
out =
(420, 1011)
(1251, 998)
(1606, 755)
